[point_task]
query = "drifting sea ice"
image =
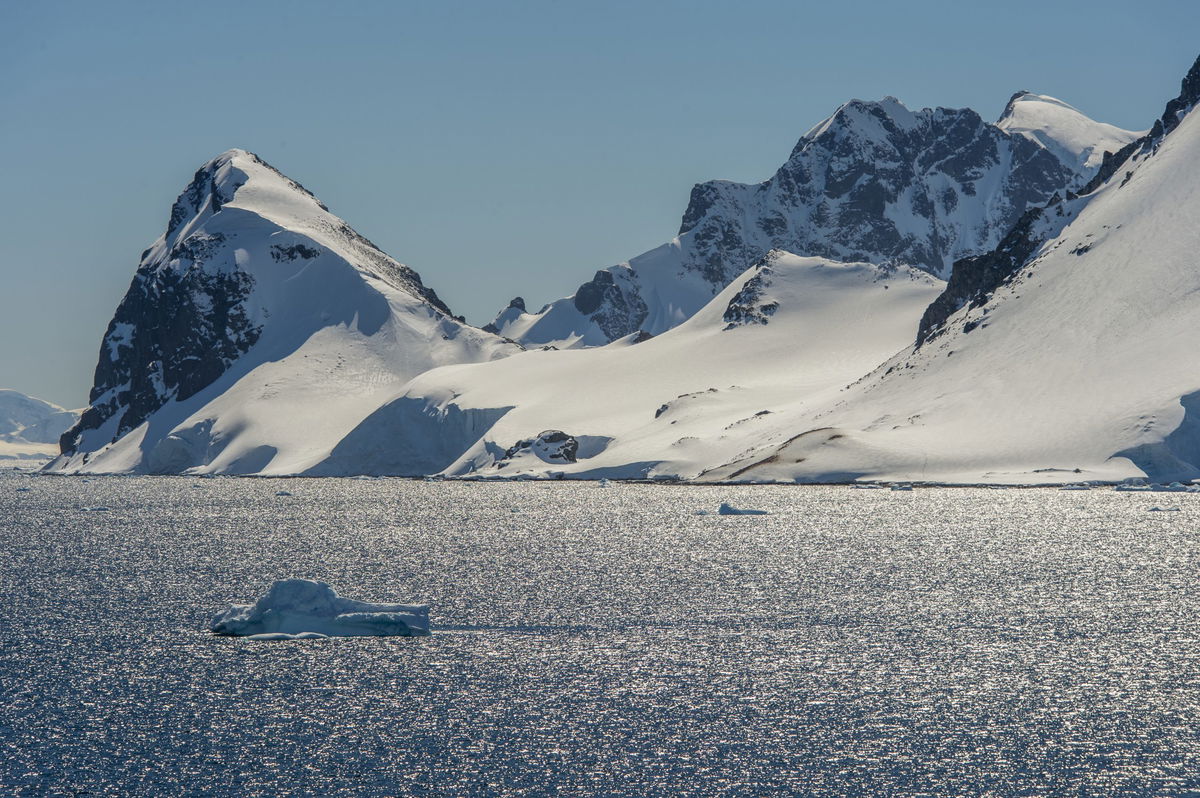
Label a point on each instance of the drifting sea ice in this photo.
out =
(301, 609)
(1154, 487)
(728, 509)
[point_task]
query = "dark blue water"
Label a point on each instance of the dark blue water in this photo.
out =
(594, 641)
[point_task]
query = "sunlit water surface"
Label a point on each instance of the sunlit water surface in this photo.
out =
(601, 641)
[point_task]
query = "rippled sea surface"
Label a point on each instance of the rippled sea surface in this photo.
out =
(601, 641)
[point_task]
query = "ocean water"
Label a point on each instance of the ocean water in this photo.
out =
(601, 641)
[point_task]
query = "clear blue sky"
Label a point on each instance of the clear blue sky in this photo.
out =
(498, 148)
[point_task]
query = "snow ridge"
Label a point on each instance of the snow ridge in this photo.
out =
(875, 182)
(253, 284)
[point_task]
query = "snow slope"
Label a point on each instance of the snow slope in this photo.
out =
(30, 427)
(789, 333)
(875, 182)
(258, 331)
(1082, 365)
(1064, 130)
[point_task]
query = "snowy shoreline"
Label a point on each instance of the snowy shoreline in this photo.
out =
(1126, 485)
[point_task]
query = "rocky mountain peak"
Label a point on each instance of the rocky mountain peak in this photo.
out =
(876, 182)
(203, 292)
(975, 278)
(1189, 96)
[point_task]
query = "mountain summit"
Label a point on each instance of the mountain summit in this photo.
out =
(255, 299)
(1069, 135)
(1074, 359)
(875, 182)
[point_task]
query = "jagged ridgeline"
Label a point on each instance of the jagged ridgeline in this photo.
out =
(875, 182)
(975, 279)
(1065, 354)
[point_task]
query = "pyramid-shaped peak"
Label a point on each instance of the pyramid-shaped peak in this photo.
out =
(256, 184)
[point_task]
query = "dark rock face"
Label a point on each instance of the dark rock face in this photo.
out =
(180, 324)
(591, 295)
(551, 445)
(876, 183)
(172, 335)
(290, 253)
(974, 279)
(1189, 97)
(612, 302)
(747, 306)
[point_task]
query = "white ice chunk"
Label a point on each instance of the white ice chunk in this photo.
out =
(286, 636)
(727, 509)
(300, 607)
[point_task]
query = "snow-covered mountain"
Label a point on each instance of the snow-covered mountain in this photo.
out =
(1075, 139)
(875, 182)
(31, 427)
(257, 331)
(789, 333)
(1075, 358)
(262, 335)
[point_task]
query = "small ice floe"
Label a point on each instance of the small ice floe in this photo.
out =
(1163, 510)
(866, 486)
(901, 486)
(301, 609)
(283, 493)
(1175, 487)
(603, 482)
(23, 490)
(1139, 486)
(1076, 487)
(728, 509)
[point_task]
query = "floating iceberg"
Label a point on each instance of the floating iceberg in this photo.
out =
(727, 509)
(1174, 487)
(298, 609)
